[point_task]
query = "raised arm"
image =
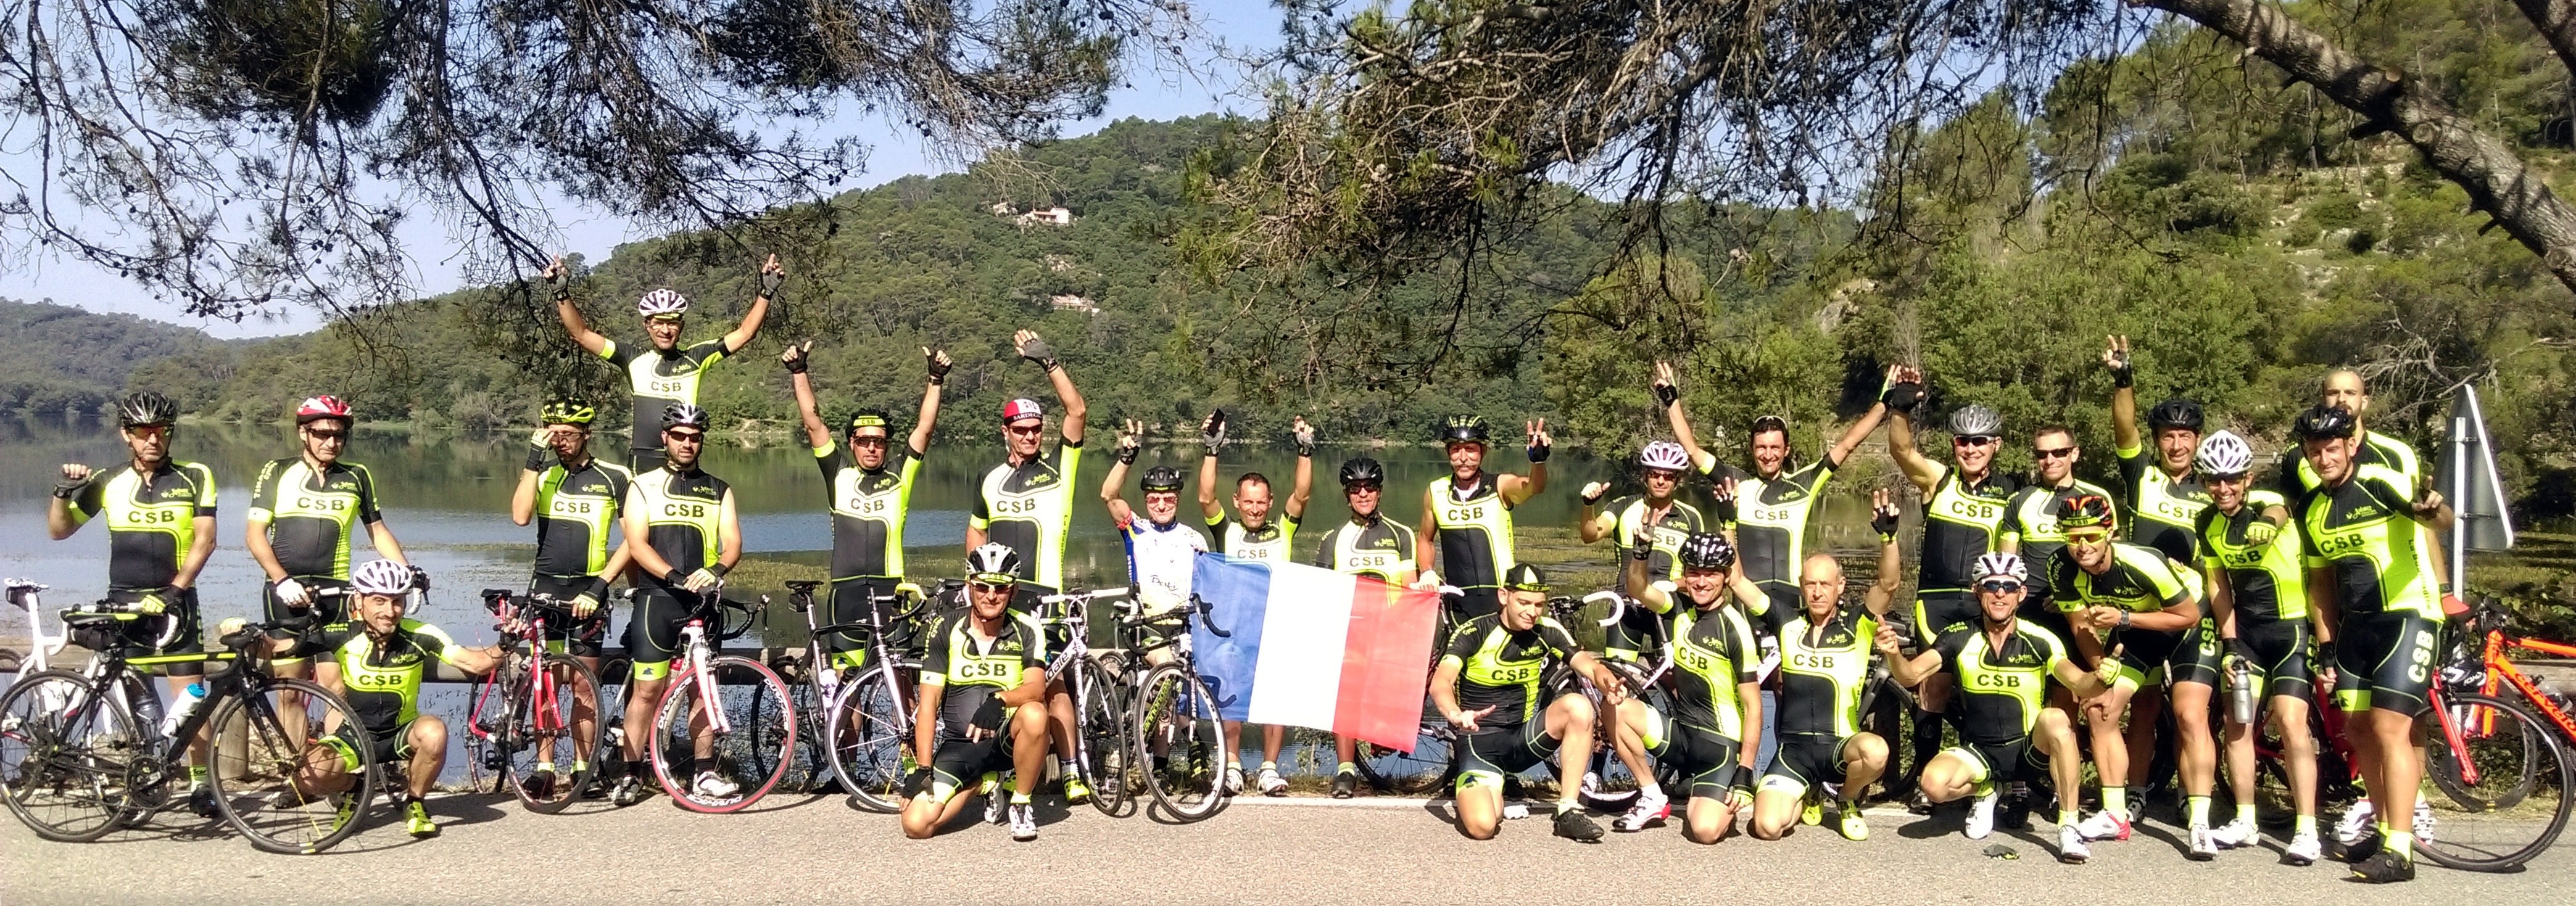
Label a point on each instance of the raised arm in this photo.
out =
(523, 499)
(1513, 488)
(2124, 397)
(560, 278)
(1908, 671)
(1891, 565)
(938, 366)
(1034, 349)
(1112, 488)
(1304, 434)
(1426, 541)
(1212, 433)
(1668, 395)
(1590, 526)
(1852, 437)
(1641, 586)
(770, 276)
(76, 481)
(1923, 472)
(796, 357)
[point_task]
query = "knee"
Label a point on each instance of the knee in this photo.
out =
(1027, 722)
(428, 733)
(1868, 747)
(1769, 830)
(1575, 708)
(917, 825)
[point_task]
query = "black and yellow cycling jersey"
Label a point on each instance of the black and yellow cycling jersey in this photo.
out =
(151, 519)
(683, 519)
(1822, 671)
(2141, 579)
(971, 669)
(1961, 522)
(2162, 510)
(1771, 521)
(1501, 669)
(382, 677)
(2004, 687)
(1475, 532)
(2265, 582)
(868, 510)
(311, 513)
(2030, 522)
(1678, 521)
(2365, 530)
(577, 512)
(1268, 544)
(2294, 477)
(659, 379)
(1377, 547)
(1028, 508)
(1713, 655)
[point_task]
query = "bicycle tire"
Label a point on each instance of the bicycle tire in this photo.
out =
(1104, 753)
(257, 792)
(541, 730)
(871, 742)
(1184, 742)
(1431, 766)
(56, 720)
(2518, 755)
(744, 705)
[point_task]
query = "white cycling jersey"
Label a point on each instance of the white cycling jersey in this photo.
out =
(1159, 561)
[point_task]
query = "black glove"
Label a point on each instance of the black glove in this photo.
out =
(69, 488)
(539, 454)
(2325, 658)
(988, 716)
(1666, 395)
(2241, 649)
(1642, 547)
(1037, 351)
(938, 369)
(676, 577)
(1538, 452)
(769, 283)
(1212, 431)
(1305, 443)
(915, 781)
(1884, 521)
(1902, 397)
(420, 579)
(1740, 793)
(562, 284)
(1127, 453)
(2122, 373)
(795, 359)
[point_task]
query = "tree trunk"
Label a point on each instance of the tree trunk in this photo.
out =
(2480, 162)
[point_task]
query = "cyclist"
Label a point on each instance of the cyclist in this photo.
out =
(2371, 576)
(1824, 665)
(2149, 607)
(382, 656)
(683, 529)
(1026, 503)
(1371, 545)
(2004, 666)
(2161, 496)
(303, 511)
(1716, 692)
(1162, 552)
(575, 499)
(2031, 533)
(986, 665)
(1489, 686)
(667, 373)
(1963, 514)
(2251, 555)
(1654, 514)
(870, 487)
(1256, 536)
(160, 530)
(1467, 514)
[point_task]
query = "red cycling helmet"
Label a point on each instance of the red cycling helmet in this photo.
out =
(322, 407)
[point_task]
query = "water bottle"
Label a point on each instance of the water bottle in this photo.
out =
(188, 701)
(2240, 692)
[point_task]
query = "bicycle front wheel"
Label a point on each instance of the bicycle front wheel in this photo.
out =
(1104, 751)
(1183, 743)
(284, 774)
(870, 739)
(67, 756)
(553, 744)
(710, 769)
(2505, 779)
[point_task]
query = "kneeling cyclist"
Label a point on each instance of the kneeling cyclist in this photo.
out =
(982, 691)
(382, 656)
(1717, 697)
(1489, 686)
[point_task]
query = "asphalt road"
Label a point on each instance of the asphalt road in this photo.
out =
(810, 850)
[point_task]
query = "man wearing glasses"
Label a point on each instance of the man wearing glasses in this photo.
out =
(683, 529)
(1026, 503)
(303, 512)
(1963, 514)
(667, 373)
(981, 684)
(2162, 497)
(1371, 545)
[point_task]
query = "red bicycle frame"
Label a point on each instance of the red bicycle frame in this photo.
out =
(543, 696)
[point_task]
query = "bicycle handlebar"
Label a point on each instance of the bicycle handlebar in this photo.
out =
(1094, 594)
(1618, 604)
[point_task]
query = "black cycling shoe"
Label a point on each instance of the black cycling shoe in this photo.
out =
(1346, 784)
(201, 800)
(1573, 824)
(2361, 850)
(2385, 867)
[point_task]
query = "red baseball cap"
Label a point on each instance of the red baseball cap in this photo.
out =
(1019, 409)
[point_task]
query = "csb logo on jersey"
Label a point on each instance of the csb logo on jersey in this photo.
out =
(684, 510)
(1772, 515)
(323, 504)
(1015, 506)
(1963, 508)
(1462, 514)
(2337, 545)
(865, 506)
(572, 506)
(1982, 680)
(1000, 669)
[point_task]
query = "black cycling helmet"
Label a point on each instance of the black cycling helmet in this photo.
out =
(1707, 550)
(1464, 429)
(2321, 422)
(871, 418)
(1363, 471)
(684, 415)
(2174, 413)
(2084, 511)
(1524, 577)
(145, 409)
(1162, 478)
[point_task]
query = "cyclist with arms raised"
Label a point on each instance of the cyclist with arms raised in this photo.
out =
(1256, 536)
(1963, 514)
(1655, 515)
(2163, 499)
(575, 499)
(667, 373)
(870, 495)
(1717, 697)
(160, 530)
(1368, 544)
(985, 669)
(1489, 686)
(1467, 514)
(2250, 552)
(1026, 503)
(684, 532)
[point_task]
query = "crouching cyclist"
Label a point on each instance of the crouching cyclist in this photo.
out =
(1717, 698)
(983, 685)
(1489, 686)
(382, 656)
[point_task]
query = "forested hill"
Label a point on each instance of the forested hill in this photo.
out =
(62, 357)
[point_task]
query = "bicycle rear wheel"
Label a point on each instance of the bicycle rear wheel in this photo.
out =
(1105, 753)
(747, 756)
(2505, 784)
(1183, 743)
(67, 757)
(870, 733)
(1428, 768)
(275, 786)
(806, 767)
(554, 740)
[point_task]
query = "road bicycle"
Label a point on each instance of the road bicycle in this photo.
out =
(2502, 764)
(1179, 737)
(737, 704)
(536, 717)
(1102, 748)
(81, 756)
(863, 724)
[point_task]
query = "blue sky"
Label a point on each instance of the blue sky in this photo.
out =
(896, 153)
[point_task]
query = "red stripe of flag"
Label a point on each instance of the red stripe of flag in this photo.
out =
(1386, 663)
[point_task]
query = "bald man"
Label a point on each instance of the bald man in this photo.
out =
(1824, 665)
(2295, 477)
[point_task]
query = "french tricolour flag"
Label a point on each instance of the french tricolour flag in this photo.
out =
(1310, 647)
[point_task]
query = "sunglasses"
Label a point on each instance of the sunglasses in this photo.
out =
(868, 440)
(2091, 537)
(990, 587)
(328, 435)
(1973, 440)
(1361, 488)
(685, 436)
(2057, 453)
(2000, 586)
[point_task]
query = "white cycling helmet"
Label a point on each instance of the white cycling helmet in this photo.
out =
(1664, 454)
(2000, 563)
(662, 302)
(2224, 453)
(380, 577)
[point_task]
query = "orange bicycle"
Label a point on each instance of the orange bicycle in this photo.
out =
(2502, 763)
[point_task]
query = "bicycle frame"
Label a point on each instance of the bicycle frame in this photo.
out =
(542, 691)
(2500, 670)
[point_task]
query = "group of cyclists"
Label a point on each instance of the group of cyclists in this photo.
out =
(2044, 608)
